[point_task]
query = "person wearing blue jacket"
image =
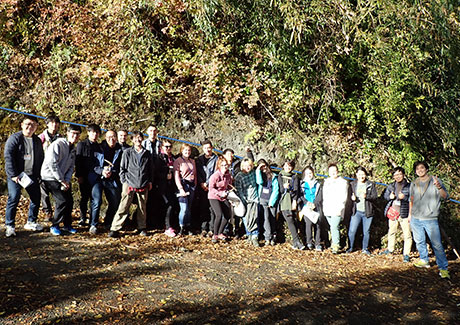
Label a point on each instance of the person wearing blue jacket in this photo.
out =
(23, 157)
(268, 198)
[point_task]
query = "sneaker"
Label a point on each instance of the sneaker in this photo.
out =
(142, 232)
(70, 230)
(222, 237)
(55, 231)
(10, 231)
(215, 239)
(181, 231)
(82, 222)
(349, 251)
(309, 247)
(386, 252)
(422, 264)
(204, 233)
(318, 248)
(335, 249)
(255, 241)
(272, 242)
(366, 252)
(406, 259)
(93, 230)
(444, 274)
(114, 234)
(34, 226)
(170, 232)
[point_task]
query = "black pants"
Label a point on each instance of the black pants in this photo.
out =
(85, 193)
(289, 217)
(222, 213)
(64, 203)
(207, 214)
(308, 231)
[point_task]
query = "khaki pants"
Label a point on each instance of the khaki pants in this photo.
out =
(393, 227)
(123, 209)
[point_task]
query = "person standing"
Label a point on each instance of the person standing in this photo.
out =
(335, 194)
(363, 195)
(205, 165)
(47, 137)
(398, 194)
(122, 137)
(136, 175)
(84, 168)
(109, 180)
(23, 160)
(186, 181)
(426, 193)
(56, 173)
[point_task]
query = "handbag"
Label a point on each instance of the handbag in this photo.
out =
(392, 214)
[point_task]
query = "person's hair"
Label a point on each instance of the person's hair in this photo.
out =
(52, 118)
(94, 128)
(360, 168)
(290, 163)
(262, 161)
(123, 130)
(398, 169)
(110, 131)
(420, 162)
(166, 141)
(220, 161)
(227, 150)
(308, 168)
(246, 161)
(333, 165)
(73, 128)
(136, 134)
(185, 145)
(204, 142)
(29, 117)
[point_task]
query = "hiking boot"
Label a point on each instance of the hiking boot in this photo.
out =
(422, 264)
(10, 231)
(93, 230)
(55, 231)
(114, 234)
(406, 259)
(70, 230)
(444, 274)
(170, 232)
(34, 226)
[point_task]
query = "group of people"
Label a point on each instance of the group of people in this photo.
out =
(220, 195)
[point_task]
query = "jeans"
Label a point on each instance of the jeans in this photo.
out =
(63, 203)
(112, 193)
(356, 219)
(334, 224)
(14, 194)
(185, 205)
(431, 227)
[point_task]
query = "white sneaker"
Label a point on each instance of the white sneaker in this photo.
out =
(34, 226)
(10, 231)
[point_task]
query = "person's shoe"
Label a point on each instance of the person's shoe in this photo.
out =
(114, 234)
(142, 232)
(310, 247)
(181, 231)
(444, 274)
(55, 231)
(70, 230)
(48, 216)
(335, 249)
(255, 240)
(349, 251)
(204, 233)
(386, 252)
(365, 252)
(170, 232)
(93, 230)
(82, 222)
(222, 237)
(318, 248)
(422, 264)
(10, 231)
(34, 226)
(210, 234)
(215, 239)
(272, 242)
(406, 259)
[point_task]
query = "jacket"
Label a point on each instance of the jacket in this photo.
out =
(371, 196)
(404, 207)
(86, 160)
(137, 173)
(116, 161)
(275, 191)
(335, 194)
(205, 169)
(59, 161)
(219, 185)
(318, 196)
(14, 155)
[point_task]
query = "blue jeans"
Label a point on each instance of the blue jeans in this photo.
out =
(14, 194)
(185, 205)
(354, 224)
(431, 227)
(113, 195)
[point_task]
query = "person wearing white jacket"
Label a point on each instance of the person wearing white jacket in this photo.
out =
(335, 193)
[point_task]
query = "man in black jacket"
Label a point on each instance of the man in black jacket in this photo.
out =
(23, 161)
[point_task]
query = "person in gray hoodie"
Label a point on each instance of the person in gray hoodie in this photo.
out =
(56, 174)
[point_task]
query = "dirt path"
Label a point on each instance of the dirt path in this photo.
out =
(155, 279)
